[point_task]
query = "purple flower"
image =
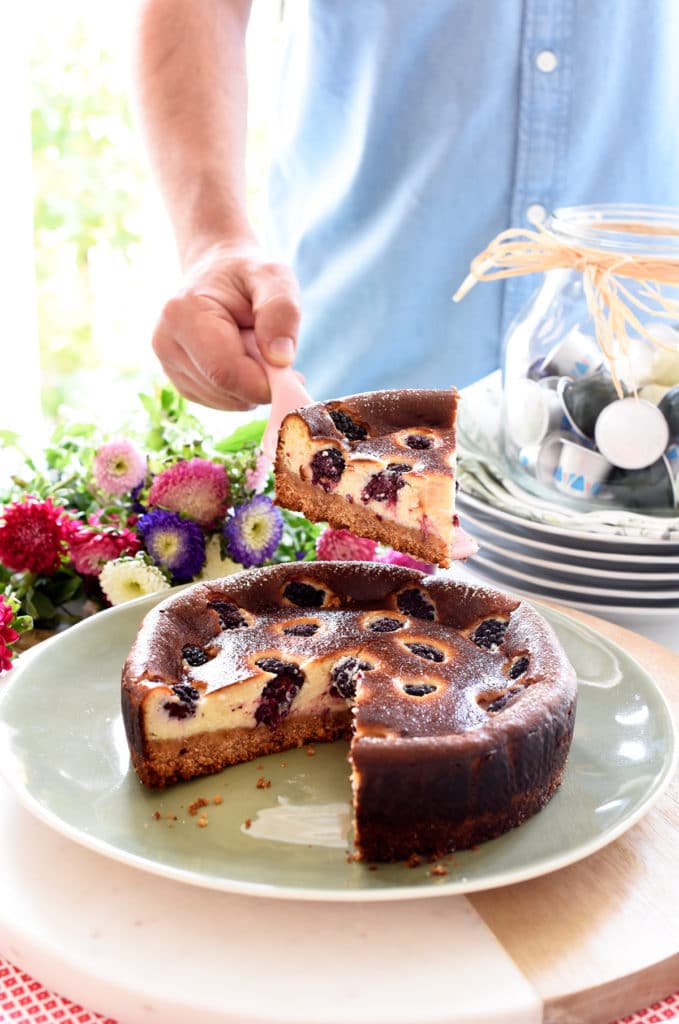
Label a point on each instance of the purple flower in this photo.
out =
(254, 531)
(176, 544)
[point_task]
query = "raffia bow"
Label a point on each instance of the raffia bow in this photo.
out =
(613, 306)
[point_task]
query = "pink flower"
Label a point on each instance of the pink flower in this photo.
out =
(7, 635)
(32, 535)
(397, 558)
(91, 549)
(195, 488)
(344, 546)
(119, 467)
(257, 477)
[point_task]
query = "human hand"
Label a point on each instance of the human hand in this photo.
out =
(199, 337)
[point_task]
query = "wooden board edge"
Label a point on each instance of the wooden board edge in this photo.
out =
(621, 997)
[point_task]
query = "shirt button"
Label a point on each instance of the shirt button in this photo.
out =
(536, 213)
(546, 61)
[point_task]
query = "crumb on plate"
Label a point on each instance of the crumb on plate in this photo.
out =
(197, 804)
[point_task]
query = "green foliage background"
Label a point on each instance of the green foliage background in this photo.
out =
(88, 188)
(92, 185)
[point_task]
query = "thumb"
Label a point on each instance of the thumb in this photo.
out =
(275, 305)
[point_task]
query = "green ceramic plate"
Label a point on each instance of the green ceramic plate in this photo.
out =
(63, 750)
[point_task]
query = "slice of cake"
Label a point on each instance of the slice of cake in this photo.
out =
(458, 701)
(381, 464)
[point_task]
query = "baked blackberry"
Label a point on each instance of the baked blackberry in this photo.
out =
(490, 633)
(346, 425)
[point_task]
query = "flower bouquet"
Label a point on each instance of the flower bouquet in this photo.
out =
(96, 521)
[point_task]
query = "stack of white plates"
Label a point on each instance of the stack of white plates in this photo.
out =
(594, 571)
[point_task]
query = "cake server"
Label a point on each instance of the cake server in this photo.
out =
(287, 393)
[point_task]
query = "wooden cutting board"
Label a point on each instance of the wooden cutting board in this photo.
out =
(601, 938)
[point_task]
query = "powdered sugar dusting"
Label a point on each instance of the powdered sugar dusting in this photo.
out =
(362, 592)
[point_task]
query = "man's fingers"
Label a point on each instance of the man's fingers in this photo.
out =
(197, 390)
(275, 304)
(186, 386)
(209, 351)
(224, 364)
(199, 337)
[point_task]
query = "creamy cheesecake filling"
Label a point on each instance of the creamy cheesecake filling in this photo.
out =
(234, 706)
(201, 703)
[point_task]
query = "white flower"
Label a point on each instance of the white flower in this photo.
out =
(126, 578)
(215, 566)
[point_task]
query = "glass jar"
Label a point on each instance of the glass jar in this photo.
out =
(591, 410)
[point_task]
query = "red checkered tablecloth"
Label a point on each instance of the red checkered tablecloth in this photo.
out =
(25, 1001)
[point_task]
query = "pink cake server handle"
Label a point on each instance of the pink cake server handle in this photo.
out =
(287, 393)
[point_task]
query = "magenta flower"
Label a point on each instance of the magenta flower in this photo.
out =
(195, 488)
(91, 549)
(398, 558)
(7, 634)
(344, 546)
(33, 535)
(119, 467)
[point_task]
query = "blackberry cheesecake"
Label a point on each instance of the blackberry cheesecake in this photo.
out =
(381, 464)
(458, 701)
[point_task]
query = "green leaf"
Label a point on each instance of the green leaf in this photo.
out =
(247, 436)
(149, 404)
(66, 590)
(168, 400)
(155, 440)
(43, 608)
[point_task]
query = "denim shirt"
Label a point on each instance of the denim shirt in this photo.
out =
(409, 134)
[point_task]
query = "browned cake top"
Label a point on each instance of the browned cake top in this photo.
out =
(409, 424)
(428, 656)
